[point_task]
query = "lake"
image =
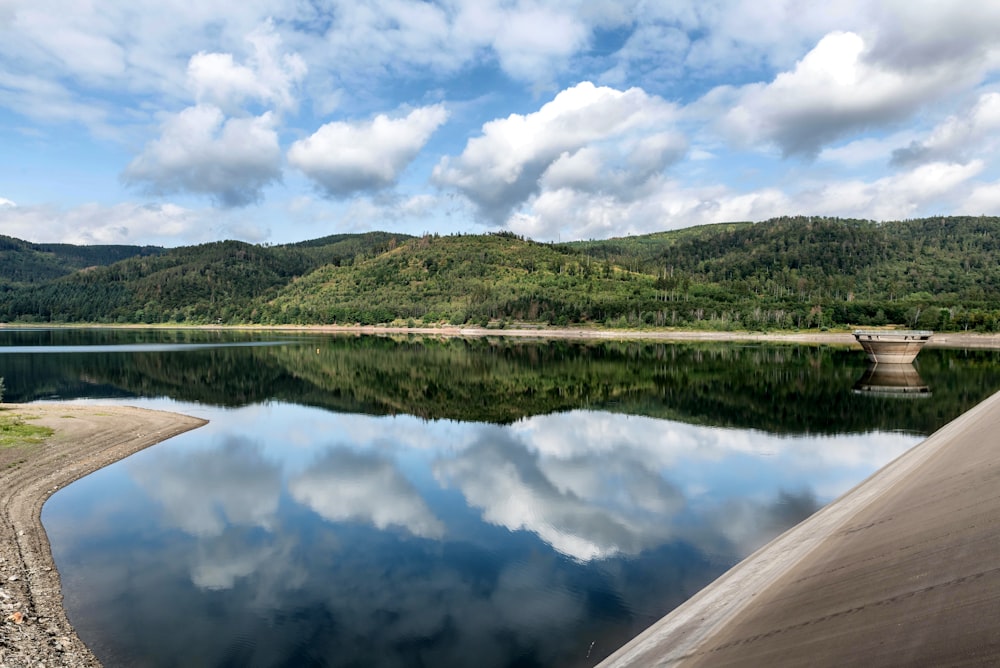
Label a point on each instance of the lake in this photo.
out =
(420, 501)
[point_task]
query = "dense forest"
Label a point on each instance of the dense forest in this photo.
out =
(786, 273)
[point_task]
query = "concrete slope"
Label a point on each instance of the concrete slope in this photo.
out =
(902, 570)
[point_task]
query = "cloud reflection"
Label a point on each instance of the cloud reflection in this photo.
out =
(202, 492)
(580, 508)
(596, 485)
(348, 486)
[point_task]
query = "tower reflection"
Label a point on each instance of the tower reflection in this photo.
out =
(892, 380)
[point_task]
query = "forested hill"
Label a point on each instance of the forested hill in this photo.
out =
(24, 262)
(794, 272)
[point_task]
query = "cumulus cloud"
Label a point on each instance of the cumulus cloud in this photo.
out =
(892, 197)
(833, 90)
(580, 134)
(347, 486)
(566, 213)
(347, 157)
(6, 203)
(269, 77)
(201, 151)
(914, 34)
(531, 36)
(983, 200)
(216, 147)
(956, 136)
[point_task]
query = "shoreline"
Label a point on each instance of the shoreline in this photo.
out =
(34, 628)
(978, 340)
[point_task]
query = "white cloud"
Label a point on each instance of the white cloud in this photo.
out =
(270, 77)
(200, 151)
(566, 213)
(850, 81)
(6, 203)
(530, 41)
(973, 131)
(505, 165)
(125, 223)
(917, 34)
(866, 150)
(833, 90)
(892, 197)
(531, 37)
(983, 200)
(346, 157)
(43, 99)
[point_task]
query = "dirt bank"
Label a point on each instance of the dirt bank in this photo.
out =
(34, 630)
(942, 340)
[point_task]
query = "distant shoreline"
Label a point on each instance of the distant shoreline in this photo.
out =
(943, 340)
(543, 332)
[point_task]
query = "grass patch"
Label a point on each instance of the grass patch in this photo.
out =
(15, 432)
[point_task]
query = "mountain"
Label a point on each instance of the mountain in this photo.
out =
(22, 262)
(785, 273)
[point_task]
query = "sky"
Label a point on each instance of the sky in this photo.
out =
(272, 121)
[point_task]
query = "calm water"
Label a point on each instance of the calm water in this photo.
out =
(419, 502)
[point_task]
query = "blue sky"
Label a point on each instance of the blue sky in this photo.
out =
(272, 121)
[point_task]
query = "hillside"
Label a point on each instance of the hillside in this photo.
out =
(475, 278)
(786, 273)
(22, 262)
(219, 281)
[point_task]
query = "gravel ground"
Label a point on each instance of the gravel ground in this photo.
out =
(34, 630)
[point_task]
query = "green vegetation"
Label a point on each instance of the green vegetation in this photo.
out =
(786, 273)
(24, 263)
(778, 388)
(15, 432)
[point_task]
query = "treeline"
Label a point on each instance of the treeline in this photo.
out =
(785, 273)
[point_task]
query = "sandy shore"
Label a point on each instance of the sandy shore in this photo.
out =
(901, 570)
(34, 630)
(941, 340)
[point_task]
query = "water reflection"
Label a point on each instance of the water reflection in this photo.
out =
(581, 506)
(409, 542)
(781, 389)
(347, 486)
(204, 491)
(894, 380)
